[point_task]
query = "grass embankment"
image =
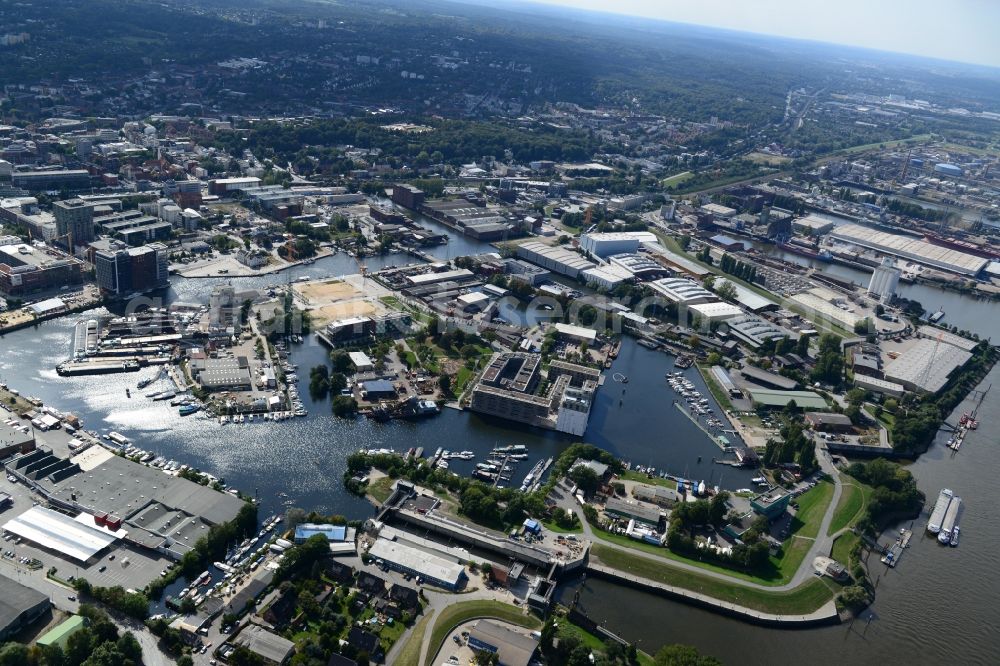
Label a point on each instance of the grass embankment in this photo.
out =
(677, 179)
(409, 655)
(812, 507)
(842, 547)
(720, 396)
(780, 570)
(853, 500)
(464, 611)
(801, 600)
(568, 629)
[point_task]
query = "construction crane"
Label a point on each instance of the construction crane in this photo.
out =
(906, 167)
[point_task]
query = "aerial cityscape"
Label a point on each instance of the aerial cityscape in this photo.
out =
(432, 332)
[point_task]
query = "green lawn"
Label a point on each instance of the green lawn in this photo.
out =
(551, 526)
(409, 655)
(676, 179)
(812, 506)
(842, 546)
(632, 475)
(381, 488)
(463, 611)
(462, 379)
(853, 499)
(781, 569)
(805, 598)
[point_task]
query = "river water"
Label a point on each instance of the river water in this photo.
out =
(939, 605)
(301, 461)
(962, 310)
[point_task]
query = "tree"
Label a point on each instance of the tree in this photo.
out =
(344, 406)
(341, 361)
(683, 655)
(585, 478)
(854, 597)
(338, 382)
(444, 383)
(718, 507)
(726, 291)
(829, 361)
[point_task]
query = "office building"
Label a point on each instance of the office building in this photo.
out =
(407, 196)
(57, 179)
(122, 270)
(74, 220)
(885, 281)
(508, 386)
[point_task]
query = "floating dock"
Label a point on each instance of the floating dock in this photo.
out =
(895, 551)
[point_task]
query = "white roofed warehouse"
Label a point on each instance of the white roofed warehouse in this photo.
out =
(432, 568)
(914, 249)
(926, 365)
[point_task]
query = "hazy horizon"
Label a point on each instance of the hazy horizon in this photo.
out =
(960, 33)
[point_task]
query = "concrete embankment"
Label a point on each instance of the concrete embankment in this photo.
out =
(824, 615)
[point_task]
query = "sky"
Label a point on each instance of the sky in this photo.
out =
(962, 30)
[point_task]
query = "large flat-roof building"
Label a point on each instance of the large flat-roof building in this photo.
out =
(926, 365)
(508, 384)
(556, 259)
(776, 399)
(711, 313)
(512, 647)
(812, 225)
(20, 606)
(615, 242)
(26, 268)
(59, 533)
(911, 248)
(123, 499)
(434, 569)
(748, 298)
(56, 179)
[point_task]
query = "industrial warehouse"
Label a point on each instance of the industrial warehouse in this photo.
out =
(103, 499)
(911, 248)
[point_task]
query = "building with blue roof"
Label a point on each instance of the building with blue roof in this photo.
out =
(378, 388)
(331, 532)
